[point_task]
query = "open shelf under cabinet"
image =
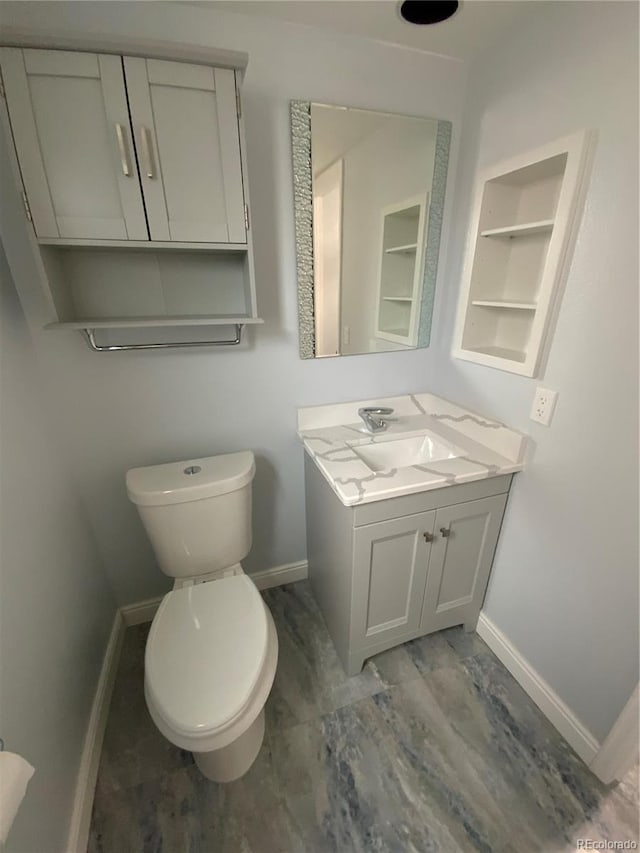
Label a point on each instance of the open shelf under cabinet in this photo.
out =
(154, 322)
(102, 288)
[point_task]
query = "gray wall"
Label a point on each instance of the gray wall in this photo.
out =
(56, 607)
(120, 411)
(565, 582)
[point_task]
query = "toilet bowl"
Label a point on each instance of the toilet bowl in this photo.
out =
(212, 650)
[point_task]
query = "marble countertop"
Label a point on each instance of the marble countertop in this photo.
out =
(330, 434)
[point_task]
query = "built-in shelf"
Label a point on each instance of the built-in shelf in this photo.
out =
(519, 230)
(402, 250)
(149, 322)
(510, 285)
(399, 288)
(521, 306)
(502, 352)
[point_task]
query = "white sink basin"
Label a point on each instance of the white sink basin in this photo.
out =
(403, 452)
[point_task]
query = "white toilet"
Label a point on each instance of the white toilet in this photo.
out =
(212, 649)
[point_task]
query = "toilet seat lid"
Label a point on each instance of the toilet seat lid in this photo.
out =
(205, 653)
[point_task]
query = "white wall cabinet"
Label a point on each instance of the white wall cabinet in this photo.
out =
(134, 179)
(185, 126)
(89, 156)
(393, 570)
(525, 219)
(71, 128)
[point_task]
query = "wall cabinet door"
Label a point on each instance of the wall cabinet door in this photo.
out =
(461, 556)
(390, 570)
(70, 124)
(185, 125)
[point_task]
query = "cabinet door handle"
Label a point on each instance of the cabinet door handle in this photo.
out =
(428, 537)
(446, 531)
(124, 151)
(147, 150)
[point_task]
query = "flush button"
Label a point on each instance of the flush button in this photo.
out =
(192, 469)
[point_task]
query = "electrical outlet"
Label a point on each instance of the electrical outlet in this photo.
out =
(543, 405)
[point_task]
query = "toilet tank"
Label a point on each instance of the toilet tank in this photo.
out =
(197, 513)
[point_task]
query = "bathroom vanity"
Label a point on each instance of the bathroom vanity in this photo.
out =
(402, 525)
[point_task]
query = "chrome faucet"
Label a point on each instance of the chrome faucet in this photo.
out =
(374, 417)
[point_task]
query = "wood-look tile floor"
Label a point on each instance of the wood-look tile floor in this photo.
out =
(432, 748)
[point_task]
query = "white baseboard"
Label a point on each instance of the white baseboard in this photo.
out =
(619, 750)
(88, 772)
(144, 611)
(551, 705)
(280, 575)
(141, 611)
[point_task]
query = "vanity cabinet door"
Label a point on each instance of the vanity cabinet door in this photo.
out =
(186, 131)
(390, 570)
(70, 123)
(465, 539)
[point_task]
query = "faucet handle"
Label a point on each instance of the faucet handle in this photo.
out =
(375, 410)
(374, 417)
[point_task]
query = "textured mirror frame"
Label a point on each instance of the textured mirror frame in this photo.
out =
(303, 209)
(434, 230)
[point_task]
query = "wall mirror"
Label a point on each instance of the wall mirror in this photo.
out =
(369, 194)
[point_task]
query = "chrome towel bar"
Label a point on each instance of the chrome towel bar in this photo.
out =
(93, 345)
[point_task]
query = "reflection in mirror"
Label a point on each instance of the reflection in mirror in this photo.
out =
(369, 193)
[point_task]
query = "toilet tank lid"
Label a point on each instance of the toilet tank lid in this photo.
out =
(190, 480)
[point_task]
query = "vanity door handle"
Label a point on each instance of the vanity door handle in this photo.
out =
(446, 531)
(124, 151)
(147, 150)
(428, 537)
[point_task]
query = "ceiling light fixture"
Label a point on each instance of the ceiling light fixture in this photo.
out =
(423, 12)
